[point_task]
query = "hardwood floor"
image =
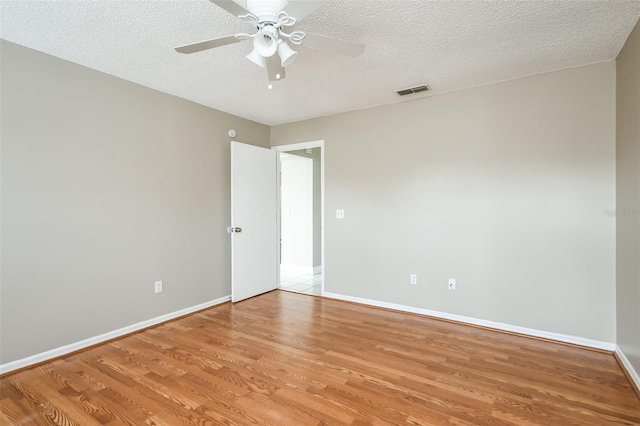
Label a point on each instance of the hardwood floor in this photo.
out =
(291, 359)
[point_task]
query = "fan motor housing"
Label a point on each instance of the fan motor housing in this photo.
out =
(266, 10)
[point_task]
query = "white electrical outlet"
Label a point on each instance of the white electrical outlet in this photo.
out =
(413, 279)
(158, 286)
(339, 214)
(452, 283)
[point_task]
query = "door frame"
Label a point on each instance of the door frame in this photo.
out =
(296, 147)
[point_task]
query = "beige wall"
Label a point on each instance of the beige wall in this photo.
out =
(502, 187)
(628, 198)
(107, 186)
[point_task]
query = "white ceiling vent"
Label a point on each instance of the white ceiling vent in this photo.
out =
(409, 91)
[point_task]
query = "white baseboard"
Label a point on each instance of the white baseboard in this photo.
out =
(297, 269)
(626, 364)
(63, 350)
(483, 323)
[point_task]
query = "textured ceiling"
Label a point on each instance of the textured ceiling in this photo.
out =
(449, 45)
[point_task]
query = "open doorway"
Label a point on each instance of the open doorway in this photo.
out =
(301, 218)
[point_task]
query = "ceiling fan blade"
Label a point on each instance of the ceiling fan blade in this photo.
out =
(207, 44)
(231, 6)
(274, 68)
(300, 8)
(333, 45)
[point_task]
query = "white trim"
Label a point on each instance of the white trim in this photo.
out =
(483, 323)
(299, 146)
(63, 350)
(278, 218)
(232, 225)
(305, 145)
(626, 364)
(323, 259)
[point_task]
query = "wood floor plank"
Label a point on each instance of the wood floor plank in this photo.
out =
(290, 359)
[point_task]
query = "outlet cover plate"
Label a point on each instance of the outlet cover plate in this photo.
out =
(158, 286)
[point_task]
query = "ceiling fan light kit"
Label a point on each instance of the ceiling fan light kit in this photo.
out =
(257, 58)
(269, 17)
(287, 54)
(265, 42)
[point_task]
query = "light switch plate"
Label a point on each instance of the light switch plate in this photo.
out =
(452, 283)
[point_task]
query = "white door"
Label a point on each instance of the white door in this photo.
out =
(253, 219)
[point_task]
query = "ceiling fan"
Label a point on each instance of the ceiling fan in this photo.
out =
(270, 17)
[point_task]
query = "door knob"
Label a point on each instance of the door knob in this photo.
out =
(237, 230)
(233, 230)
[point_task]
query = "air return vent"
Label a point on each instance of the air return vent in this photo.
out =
(409, 91)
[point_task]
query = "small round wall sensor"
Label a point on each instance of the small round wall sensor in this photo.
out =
(232, 133)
